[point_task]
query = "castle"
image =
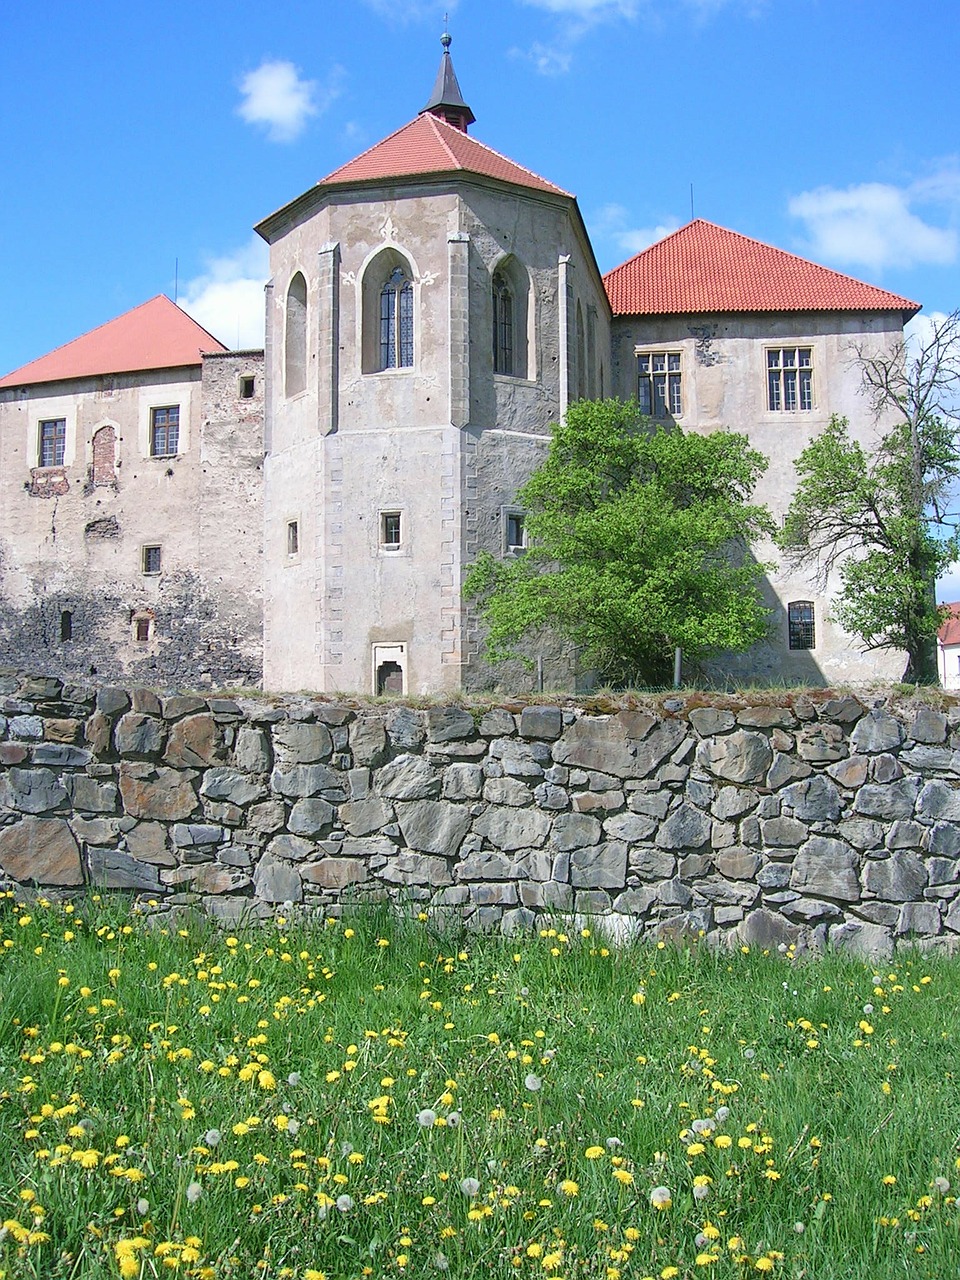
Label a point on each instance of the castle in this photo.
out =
(174, 512)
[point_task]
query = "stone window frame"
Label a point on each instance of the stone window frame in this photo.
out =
(164, 433)
(151, 559)
(801, 625)
(790, 386)
(668, 405)
(247, 386)
(508, 516)
(142, 626)
(373, 295)
(51, 442)
(393, 652)
(292, 539)
(390, 519)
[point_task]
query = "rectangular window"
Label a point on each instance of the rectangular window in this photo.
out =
(141, 630)
(801, 625)
(516, 533)
(790, 379)
(247, 388)
(151, 559)
(53, 442)
(164, 431)
(390, 530)
(293, 538)
(659, 392)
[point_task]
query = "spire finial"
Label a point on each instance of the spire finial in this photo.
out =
(446, 101)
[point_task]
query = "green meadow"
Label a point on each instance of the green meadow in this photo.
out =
(383, 1096)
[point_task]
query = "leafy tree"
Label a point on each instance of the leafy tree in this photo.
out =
(637, 541)
(878, 516)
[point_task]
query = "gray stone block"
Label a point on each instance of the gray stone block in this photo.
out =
(601, 866)
(407, 777)
(740, 757)
(541, 722)
(434, 826)
(877, 731)
(827, 868)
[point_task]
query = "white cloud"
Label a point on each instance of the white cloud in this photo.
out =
(275, 96)
(612, 223)
(919, 330)
(227, 299)
(874, 224)
(595, 10)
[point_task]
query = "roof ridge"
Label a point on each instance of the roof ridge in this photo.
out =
(433, 121)
(367, 150)
(515, 163)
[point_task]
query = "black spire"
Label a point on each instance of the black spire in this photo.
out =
(446, 101)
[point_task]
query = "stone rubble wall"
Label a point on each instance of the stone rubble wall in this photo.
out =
(820, 822)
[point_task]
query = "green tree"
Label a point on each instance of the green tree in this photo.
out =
(878, 516)
(637, 543)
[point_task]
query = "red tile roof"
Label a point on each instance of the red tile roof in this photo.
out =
(949, 632)
(429, 145)
(705, 268)
(155, 335)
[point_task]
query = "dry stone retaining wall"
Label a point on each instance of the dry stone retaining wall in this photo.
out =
(829, 821)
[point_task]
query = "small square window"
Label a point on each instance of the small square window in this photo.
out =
(53, 442)
(293, 537)
(516, 531)
(390, 530)
(248, 387)
(165, 431)
(151, 559)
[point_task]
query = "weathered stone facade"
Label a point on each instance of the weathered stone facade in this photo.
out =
(820, 822)
(77, 598)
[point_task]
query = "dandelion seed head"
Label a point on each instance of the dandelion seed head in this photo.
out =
(942, 1185)
(211, 1137)
(426, 1118)
(453, 1119)
(722, 1113)
(532, 1082)
(661, 1198)
(194, 1192)
(345, 1203)
(799, 1228)
(143, 1206)
(293, 1078)
(701, 1192)
(470, 1186)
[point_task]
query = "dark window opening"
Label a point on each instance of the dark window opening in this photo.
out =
(248, 387)
(165, 431)
(502, 326)
(53, 442)
(390, 529)
(801, 625)
(389, 678)
(141, 629)
(293, 538)
(295, 337)
(516, 532)
(659, 393)
(151, 559)
(66, 625)
(396, 321)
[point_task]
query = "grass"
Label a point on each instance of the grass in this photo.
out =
(372, 1097)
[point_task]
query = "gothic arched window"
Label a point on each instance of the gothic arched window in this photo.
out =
(502, 325)
(396, 321)
(295, 337)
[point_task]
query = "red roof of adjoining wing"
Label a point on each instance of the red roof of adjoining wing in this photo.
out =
(705, 268)
(429, 145)
(949, 632)
(155, 335)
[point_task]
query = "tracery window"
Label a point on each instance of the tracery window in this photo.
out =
(396, 321)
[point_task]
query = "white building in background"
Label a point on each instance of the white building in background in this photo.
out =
(433, 307)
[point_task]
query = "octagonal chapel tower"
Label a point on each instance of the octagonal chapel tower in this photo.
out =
(433, 306)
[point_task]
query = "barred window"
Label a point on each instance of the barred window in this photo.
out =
(396, 321)
(789, 379)
(151, 559)
(53, 442)
(659, 392)
(801, 625)
(164, 431)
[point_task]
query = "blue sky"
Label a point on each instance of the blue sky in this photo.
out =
(142, 141)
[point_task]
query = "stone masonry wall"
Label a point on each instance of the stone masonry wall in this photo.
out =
(824, 821)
